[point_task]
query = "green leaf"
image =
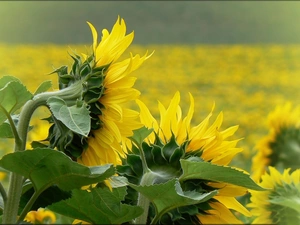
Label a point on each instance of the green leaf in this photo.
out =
(6, 79)
(43, 87)
(118, 181)
(46, 167)
(13, 96)
(211, 172)
(76, 118)
(99, 206)
(139, 135)
(169, 195)
(5, 131)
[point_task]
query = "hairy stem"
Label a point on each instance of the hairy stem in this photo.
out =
(147, 179)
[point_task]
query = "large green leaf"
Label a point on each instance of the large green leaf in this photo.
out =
(208, 171)
(6, 79)
(43, 87)
(45, 167)
(99, 206)
(76, 118)
(169, 195)
(13, 95)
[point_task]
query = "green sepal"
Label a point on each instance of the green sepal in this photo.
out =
(284, 203)
(140, 135)
(65, 140)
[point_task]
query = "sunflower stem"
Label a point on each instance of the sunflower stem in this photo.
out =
(147, 179)
(10, 212)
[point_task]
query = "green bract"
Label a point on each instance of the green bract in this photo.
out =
(285, 204)
(61, 135)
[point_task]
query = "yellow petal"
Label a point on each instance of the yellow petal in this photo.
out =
(232, 203)
(95, 36)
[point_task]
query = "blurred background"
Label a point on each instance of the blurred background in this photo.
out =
(154, 22)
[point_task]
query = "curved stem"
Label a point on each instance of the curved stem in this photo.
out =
(72, 92)
(15, 185)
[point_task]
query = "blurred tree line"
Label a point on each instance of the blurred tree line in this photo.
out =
(154, 22)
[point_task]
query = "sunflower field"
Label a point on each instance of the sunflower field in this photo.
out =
(246, 82)
(238, 86)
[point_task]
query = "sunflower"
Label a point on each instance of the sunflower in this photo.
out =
(280, 203)
(117, 121)
(209, 138)
(107, 88)
(205, 140)
(280, 148)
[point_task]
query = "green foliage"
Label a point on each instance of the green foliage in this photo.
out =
(43, 87)
(284, 203)
(208, 171)
(49, 196)
(98, 206)
(140, 135)
(46, 167)
(169, 195)
(13, 95)
(75, 117)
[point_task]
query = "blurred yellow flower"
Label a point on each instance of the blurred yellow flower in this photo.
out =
(279, 204)
(2, 175)
(281, 147)
(41, 216)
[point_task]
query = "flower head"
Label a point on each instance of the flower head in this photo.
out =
(117, 121)
(209, 140)
(279, 204)
(174, 138)
(281, 147)
(107, 90)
